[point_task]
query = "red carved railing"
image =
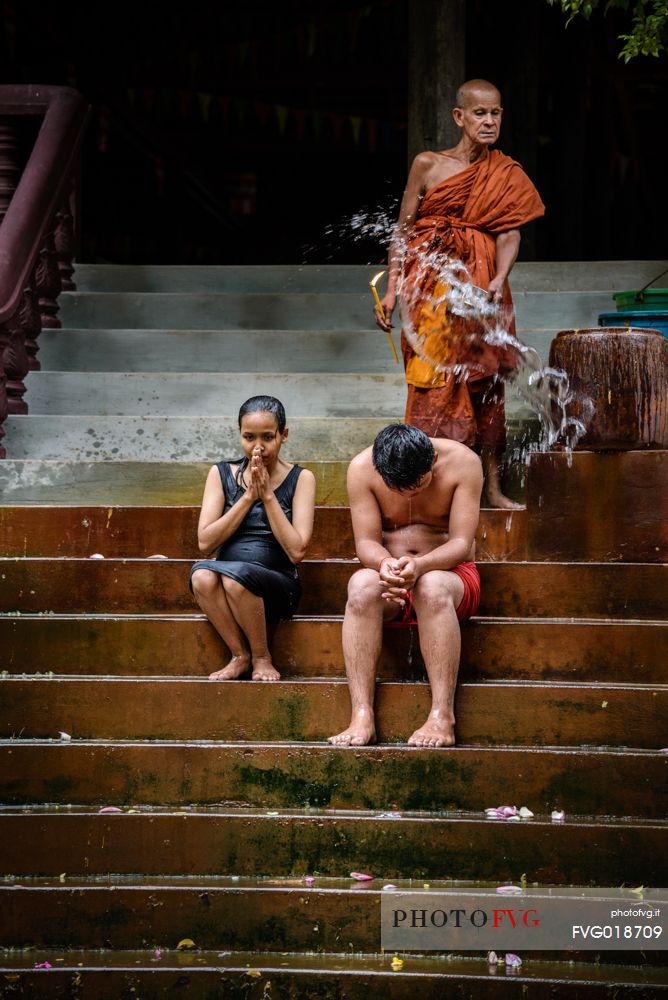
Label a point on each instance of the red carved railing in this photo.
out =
(38, 219)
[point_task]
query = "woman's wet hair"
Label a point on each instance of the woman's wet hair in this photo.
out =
(402, 455)
(260, 404)
(264, 404)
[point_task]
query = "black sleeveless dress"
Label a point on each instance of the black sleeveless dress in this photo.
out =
(253, 556)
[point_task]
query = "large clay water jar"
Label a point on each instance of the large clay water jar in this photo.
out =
(619, 376)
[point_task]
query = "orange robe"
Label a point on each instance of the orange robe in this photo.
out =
(461, 218)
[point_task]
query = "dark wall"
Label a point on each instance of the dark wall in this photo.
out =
(271, 132)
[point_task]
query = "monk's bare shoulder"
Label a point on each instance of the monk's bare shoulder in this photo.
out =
(424, 168)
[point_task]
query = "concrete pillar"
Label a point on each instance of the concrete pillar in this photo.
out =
(436, 67)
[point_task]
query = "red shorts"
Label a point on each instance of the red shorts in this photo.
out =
(468, 606)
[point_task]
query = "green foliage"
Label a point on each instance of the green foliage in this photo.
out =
(649, 22)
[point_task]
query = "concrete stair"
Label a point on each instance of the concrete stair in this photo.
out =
(151, 364)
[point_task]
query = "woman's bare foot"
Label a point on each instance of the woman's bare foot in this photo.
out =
(264, 669)
(495, 498)
(359, 733)
(237, 667)
(436, 732)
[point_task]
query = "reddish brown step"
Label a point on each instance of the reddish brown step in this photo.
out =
(580, 781)
(583, 590)
(598, 505)
(225, 842)
(281, 913)
(138, 532)
(558, 649)
(510, 713)
(208, 975)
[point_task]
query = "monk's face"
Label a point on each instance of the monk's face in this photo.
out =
(480, 115)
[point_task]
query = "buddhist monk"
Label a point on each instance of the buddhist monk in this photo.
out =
(415, 504)
(467, 203)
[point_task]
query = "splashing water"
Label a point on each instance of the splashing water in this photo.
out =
(445, 286)
(441, 288)
(372, 225)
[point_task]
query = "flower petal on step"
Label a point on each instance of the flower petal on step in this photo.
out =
(43, 965)
(96, 555)
(389, 887)
(492, 957)
(186, 944)
(309, 880)
(509, 890)
(361, 876)
(157, 953)
(525, 813)
(65, 737)
(513, 961)
(558, 816)
(110, 809)
(397, 963)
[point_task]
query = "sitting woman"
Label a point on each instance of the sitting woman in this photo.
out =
(258, 513)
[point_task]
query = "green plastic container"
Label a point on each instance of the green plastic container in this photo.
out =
(650, 300)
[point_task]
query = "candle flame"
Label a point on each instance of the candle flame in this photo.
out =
(376, 278)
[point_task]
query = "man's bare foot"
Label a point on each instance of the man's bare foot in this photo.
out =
(359, 733)
(264, 670)
(495, 498)
(436, 732)
(237, 667)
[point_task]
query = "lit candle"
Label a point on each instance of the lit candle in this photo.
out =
(382, 311)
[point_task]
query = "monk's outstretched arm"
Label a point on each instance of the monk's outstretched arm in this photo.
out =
(507, 249)
(407, 214)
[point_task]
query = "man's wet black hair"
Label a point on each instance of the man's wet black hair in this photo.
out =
(264, 404)
(402, 455)
(260, 404)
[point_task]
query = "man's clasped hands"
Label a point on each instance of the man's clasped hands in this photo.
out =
(397, 577)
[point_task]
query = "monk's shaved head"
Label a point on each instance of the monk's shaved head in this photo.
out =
(472, 89)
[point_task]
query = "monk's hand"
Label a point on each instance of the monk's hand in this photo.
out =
(408, 571)
(495, 290)
(384, 318)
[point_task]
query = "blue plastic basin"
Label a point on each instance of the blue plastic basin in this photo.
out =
(653, 320)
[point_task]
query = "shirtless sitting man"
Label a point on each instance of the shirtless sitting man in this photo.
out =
(415, 503)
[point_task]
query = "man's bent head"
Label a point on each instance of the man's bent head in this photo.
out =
(402, 456)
